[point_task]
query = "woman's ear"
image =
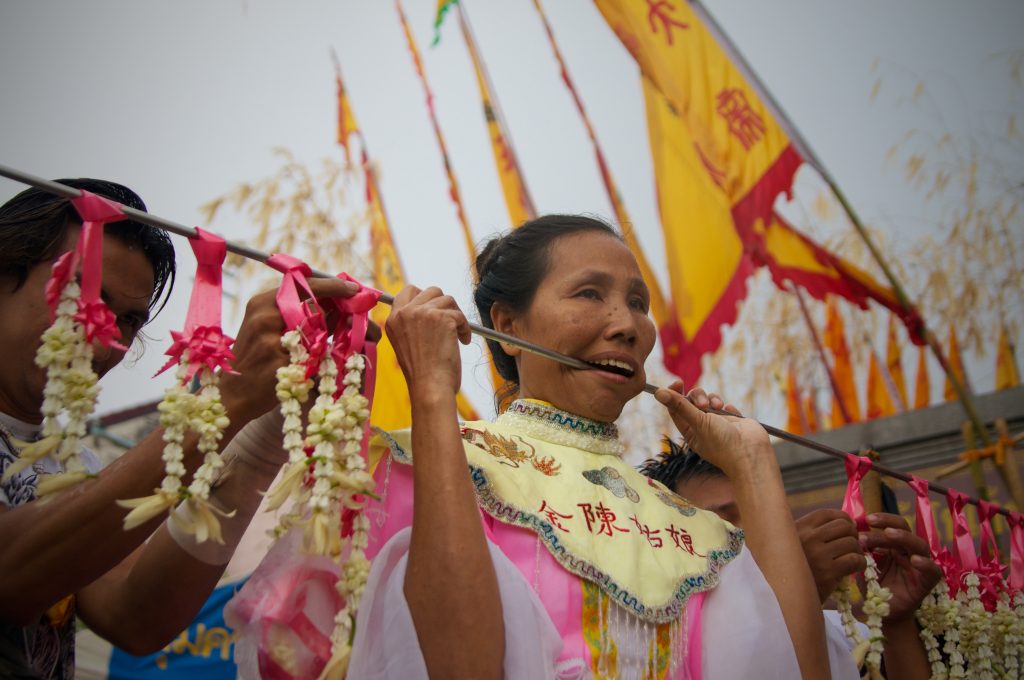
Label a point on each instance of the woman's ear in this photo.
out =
(504, 320)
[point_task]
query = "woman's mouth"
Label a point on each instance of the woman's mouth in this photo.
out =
(614, 366)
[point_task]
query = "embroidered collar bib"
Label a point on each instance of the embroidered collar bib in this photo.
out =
(644, 546)
(543, 421)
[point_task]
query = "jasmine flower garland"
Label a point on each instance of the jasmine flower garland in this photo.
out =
(349, 488)
(930, 618)
(974, 629)
(951, 625)
(876, 606)
(175, 409)
(70, 387)
(181, 411)
(209, 418)
(1004, 638)
(292, 392)
(324, 431)
(841, 596)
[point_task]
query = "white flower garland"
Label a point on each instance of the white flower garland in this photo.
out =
(841, 596)
(951, 625)
(180, 411)
(930, 618)
(340, 482)
(71, 388)
(1014, 638)
(209, 418)
(292, 392)
(1004, 638)
(876, 606)
(974, 629)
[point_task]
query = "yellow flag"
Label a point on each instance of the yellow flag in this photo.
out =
(1007, 375)
(922, 385)
(956, 364)
(894, 363)
(879, 401)
(513, 184)
(734, 131)
(346, 119)
(391, 409)
(707, 267)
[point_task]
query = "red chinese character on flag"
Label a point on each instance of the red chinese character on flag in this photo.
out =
(553, 515)
(743, 121)
(658, 10)
(651, 536)
(682, 539)
(602, 516)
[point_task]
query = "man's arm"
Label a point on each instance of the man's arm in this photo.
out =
(153, 594)
(56, 547)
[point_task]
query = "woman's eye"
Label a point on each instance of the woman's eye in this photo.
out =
(639, 304)
(589, 293)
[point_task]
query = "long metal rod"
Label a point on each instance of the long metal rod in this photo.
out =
(254, 254)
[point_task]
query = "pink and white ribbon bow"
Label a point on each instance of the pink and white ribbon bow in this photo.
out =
(298, 314)
(98, 322)
(206, 343)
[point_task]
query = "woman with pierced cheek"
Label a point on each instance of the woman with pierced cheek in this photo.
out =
(526, 547)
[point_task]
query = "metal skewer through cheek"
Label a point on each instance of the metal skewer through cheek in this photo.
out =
(259, 256)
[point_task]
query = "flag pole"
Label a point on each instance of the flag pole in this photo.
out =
(254, 254)
(805, 150)
(499, 116)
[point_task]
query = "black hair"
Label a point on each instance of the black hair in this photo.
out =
(510, 268)
(678, 464)
(33, 226)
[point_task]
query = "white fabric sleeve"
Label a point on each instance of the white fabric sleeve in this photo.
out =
(840, 647)
(386, 646)
(743, 634)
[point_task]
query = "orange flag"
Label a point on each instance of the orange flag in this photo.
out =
(922, 385)
(879, 400)
(795, 416)
(391, 408)
(1007, 375)
(792, 256)
(835, 341)
(894, 364)
(513, 183)
(955, 363)
(811, 411)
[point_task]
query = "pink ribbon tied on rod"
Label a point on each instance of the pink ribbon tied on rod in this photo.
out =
(306, 316)
(853, 500)
(206, 343)
(990, 569)
(98, 322)
(1016, 522)
(924, 526)
(964, 553)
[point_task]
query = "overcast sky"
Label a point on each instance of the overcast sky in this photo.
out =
(182, 100)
